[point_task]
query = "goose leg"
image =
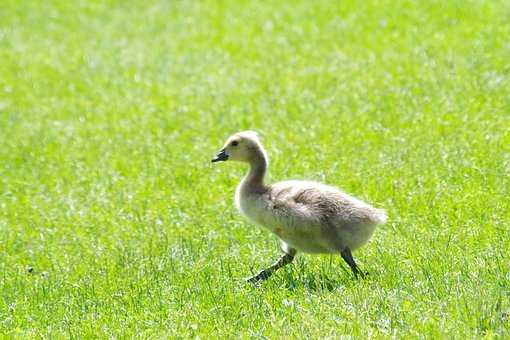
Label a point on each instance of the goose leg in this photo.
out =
(347, 256)
(266, 273)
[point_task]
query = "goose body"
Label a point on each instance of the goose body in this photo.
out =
(306, 216)
(310, 217)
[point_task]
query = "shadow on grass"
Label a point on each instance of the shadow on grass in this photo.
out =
(317, 281)
(303, 275)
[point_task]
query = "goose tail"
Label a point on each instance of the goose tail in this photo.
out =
(380, 216)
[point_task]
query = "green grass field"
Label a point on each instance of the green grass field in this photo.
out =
(113, 222)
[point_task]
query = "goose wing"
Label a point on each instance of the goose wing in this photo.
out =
(317, 202)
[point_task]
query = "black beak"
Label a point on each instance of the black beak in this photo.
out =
(220, 156)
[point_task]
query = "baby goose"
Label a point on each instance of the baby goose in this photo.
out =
(305, 216)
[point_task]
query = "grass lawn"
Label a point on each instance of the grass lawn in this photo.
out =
(113, 222)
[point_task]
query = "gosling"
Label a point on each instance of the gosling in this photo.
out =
(306, 216)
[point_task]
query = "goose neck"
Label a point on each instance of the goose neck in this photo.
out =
(258, 168)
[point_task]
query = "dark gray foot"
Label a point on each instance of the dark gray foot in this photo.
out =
(347, 256)
(266, 273)
(262, 276)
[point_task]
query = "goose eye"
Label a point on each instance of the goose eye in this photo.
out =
(235, 143)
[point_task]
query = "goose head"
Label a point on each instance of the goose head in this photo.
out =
(241, 147)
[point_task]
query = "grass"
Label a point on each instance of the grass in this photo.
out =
(113, 223)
